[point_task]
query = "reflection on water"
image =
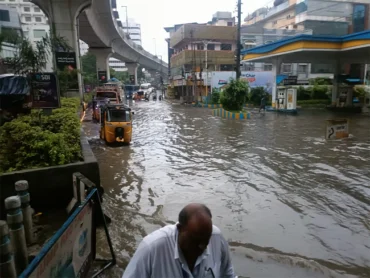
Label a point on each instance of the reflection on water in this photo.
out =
(289, 203)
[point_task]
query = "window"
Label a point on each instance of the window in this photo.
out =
(274, 22)
(210, 46)
(249, 66)
(359, 18)
(302, 68)
(288, 16)
(226, 67)
(27, 19)
(26, 34)
(4, 15)
(39, 33)
(38, 19)
(267, 67)
(287, 68)
(230, 24)
(27, 9)
(37, 10)
(226, 46)
(200, 46)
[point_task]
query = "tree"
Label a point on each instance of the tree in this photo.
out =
(30, 58)
(89, 71)
(235, 95)
(256, 94)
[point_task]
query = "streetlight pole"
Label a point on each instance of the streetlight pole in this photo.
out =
(127, 27)
(206, 65)
(238, 40)
(155, 46)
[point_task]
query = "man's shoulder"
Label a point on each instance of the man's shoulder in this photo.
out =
(216, 230)
(161, 235)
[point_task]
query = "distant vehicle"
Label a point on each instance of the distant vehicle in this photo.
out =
(113, 93)
(130, 90)
(144, 90)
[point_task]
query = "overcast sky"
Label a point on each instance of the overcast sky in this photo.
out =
(153, 15)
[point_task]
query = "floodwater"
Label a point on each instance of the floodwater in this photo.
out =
(289, 203)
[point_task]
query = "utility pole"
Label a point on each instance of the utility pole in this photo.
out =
(206, 65)
(127, 27)
(238, 42)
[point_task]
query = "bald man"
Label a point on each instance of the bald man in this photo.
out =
(193, 248)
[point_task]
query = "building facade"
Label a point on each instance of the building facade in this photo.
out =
(133, 29)
(328, 17)
(34, 22)
(117, 65)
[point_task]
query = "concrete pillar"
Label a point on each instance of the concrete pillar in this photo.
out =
(102, 59)
(62, 16)
(132, 70)
(276, 65)
(21, 187)
(335, 90)
(7, 266)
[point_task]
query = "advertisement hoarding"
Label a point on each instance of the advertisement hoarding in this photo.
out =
(255, 79)
(65, 59)
(102, 76)
(44, 90)
(337, 129)
(71, 255)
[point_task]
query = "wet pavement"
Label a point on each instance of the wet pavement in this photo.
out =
(290, 203)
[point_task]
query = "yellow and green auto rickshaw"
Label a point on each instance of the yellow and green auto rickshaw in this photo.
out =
(116, 123)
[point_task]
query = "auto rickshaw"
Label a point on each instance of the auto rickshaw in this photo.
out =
(116, 123)
(96, 104)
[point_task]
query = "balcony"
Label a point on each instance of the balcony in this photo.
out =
(277, 9)
(199, 32)
(215, 57)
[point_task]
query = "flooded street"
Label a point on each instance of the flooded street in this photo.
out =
(289, 203)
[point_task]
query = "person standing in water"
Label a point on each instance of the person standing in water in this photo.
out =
(263, 104)
(192, 248)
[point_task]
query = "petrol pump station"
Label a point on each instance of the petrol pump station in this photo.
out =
(286, 100)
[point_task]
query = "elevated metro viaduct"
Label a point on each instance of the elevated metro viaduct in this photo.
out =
(337, 51)
(95, 22)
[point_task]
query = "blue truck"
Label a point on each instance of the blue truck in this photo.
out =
(130, 90)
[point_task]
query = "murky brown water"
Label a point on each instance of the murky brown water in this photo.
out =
(289, 203)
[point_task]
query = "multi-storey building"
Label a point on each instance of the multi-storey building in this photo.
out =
(9, 22)
(328, 17)
(133, 29)
(195, 49)
(34, 22)
(117, 65)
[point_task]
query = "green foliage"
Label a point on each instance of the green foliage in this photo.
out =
(313, 92)
(89, 71)
(359, 92)
(313, 102)
(28, 58)
(320, 81)
(256, 94)
(235, 95)
(36, 140)
(215, 99)
(88, 97)
(67, 79)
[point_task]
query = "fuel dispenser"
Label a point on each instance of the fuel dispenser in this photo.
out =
(286, 99)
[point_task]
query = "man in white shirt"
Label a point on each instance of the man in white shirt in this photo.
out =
(193, 248)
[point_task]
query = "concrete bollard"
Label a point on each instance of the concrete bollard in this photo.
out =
(22, 190)
(7, 267)
(14, 218)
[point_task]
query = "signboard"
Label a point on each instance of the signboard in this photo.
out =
(71, 254)
(255, 79)
(290, 80)
(132, 79)
(102, 76)
(66, 59)
(337, 129)
(44, 90)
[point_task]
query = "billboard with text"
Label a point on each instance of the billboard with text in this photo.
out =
(255, 78)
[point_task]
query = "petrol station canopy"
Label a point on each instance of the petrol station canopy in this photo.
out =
(353, 48)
